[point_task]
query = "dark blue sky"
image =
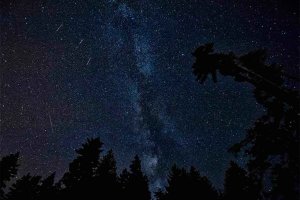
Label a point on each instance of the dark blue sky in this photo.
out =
(121, 71)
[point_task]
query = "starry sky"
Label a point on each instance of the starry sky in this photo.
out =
(121, 70)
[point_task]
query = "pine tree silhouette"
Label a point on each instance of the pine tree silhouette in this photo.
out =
(80, 180)
(106, 177)
(8, 169)
(124, 179)
(26, 188)
(107, 166)
(48, 189)
(187, 185)
(33, 188)
(238, 185)
(135, 183)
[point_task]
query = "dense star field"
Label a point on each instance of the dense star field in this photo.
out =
(121, 71)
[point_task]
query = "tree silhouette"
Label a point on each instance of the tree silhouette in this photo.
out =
(187, 185)
(8, 169)
(85, 165)
(80, 179)
(207, 61)
(107, 166)
(106, 177)
(93, 177)
(26, 188)
(48, 189)
(272, 144)
(135, 183)
(124, 179)
(33, 188)
(238, 185)
(89, 177)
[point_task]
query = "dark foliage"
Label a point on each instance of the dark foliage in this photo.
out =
(272, 144)
(8, 169)
(190, 185)
(33, 188)
(134, 183)
(26, 187)
(84, 167)
(90, 176)
(238, 184)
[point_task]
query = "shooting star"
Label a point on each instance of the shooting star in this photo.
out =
(88, 62)
(51, 124)
(59, 27)
(80, 41)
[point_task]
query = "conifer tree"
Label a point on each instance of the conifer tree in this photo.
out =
(238, 185)
(80, 179)
(27, 188)
(106, 181)
(187, 185)
(8, 169)
(48, 189)
(135, 183)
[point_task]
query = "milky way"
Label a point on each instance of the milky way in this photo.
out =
(121, 71)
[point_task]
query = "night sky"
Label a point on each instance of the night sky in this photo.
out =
(121, 71)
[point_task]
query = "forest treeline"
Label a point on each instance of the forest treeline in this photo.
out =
(271, 147)
(92, 175)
